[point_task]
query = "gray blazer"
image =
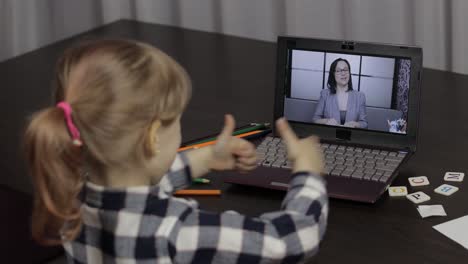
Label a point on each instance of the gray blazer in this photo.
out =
(327, 107)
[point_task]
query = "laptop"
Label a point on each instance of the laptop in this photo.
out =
(367, 132)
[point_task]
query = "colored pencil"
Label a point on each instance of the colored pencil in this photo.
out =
(214, 141)
(212, 136)
(257, 135)
(200, 180)
(197, 192)
(241, 130)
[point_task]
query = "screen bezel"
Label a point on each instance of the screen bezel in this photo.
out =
(354, 136)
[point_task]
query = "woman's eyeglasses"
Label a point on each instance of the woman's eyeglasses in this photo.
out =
(342, 71)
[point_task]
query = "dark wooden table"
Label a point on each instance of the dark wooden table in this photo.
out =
(237, 75)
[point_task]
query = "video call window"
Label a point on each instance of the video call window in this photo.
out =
(383, 83)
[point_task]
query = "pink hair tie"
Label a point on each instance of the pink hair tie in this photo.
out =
(71, 127)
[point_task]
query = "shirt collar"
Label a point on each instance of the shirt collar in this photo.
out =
(117, 198)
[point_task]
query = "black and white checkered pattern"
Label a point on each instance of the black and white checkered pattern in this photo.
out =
(149, 225)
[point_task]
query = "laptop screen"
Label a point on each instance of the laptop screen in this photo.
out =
(348, 90)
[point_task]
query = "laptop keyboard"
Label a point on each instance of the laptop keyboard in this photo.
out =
(342, 161)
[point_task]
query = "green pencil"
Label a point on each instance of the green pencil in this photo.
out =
(201, 180)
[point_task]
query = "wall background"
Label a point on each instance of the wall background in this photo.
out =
(439, 26)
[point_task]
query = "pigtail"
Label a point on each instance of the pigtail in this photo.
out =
(54, 163)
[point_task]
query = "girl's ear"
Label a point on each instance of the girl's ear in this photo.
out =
(151, 140)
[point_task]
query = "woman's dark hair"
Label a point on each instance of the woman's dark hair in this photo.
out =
(331, 76)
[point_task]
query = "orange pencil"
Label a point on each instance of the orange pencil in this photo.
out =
(214, 141)
(197, 192)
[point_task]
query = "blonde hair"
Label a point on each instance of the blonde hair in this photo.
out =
(114, 87)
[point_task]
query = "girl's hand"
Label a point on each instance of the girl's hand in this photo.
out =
(305, 154)
(230, 152)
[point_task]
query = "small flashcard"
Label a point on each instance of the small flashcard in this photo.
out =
(446, 189)
(397, 191)
(418, 181)
(454, 176)
(418, 197)
(431, 210)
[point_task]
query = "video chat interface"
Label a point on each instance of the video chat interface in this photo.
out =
(383, 81)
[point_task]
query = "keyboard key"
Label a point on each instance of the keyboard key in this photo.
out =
(340, 167)
(392, 163)
(346, 173)
(339, 162)
(277, 164)
(367, 176)
(384, 178)
(357, 175)
(396, 159)
(380, 162)
(287, 165)
(385, 168)
(336, 172)
(339, 157)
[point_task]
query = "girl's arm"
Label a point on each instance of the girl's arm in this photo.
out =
(290, 235)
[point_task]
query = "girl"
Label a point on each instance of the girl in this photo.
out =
(104, 163)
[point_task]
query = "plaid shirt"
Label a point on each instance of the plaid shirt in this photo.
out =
(148, 225)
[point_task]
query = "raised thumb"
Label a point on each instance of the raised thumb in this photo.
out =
(226, 133)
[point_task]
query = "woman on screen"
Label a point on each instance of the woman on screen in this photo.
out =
(340, 104)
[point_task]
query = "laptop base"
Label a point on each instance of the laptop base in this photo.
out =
(337, 187)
